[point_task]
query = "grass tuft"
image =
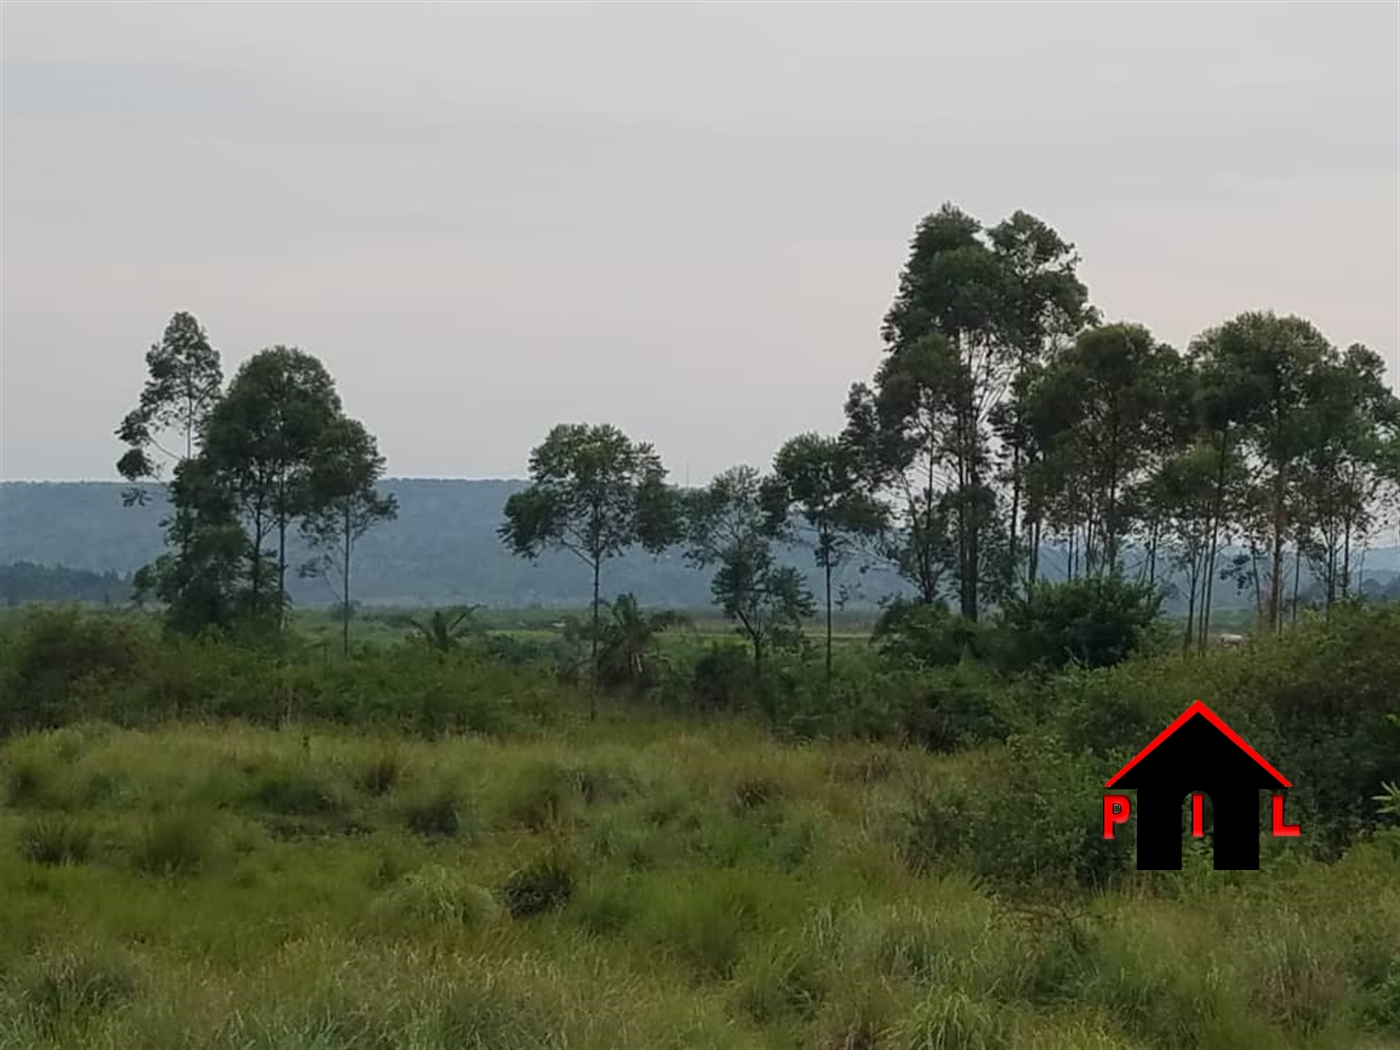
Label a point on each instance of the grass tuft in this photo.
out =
(56, 840)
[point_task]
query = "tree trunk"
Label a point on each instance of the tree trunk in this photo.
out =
(1014, 535)
(1033, 557)
(1194, 580)
(827, 566)
(593, 686)
(1216, 512)
(969, 602)
(281, 572)
(345, 586)
(1297, 572)
(1280, 525)
(1346, 556)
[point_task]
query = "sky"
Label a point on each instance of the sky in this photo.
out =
(684, 219)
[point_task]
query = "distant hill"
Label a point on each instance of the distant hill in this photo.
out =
(442, 549)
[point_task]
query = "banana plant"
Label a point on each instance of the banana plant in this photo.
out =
(445, 628)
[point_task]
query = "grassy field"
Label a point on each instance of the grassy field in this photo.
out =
(639, 882)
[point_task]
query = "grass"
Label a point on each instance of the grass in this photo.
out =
(638, 883)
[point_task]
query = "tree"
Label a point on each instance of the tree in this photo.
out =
(202, 582)
(1342, 471)
(816, 478)
(729, 529)
(974, 312)
(1102, 409)
(344, 504)
(1272, 368)
(259, 443)
(183, 382)
(1044, 304)
(628, 640)
(594, 493)
(953, 286)
(898, 432)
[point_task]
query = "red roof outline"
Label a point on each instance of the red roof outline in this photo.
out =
(1198, 708)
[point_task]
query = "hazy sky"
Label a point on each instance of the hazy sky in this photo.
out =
(686, 220)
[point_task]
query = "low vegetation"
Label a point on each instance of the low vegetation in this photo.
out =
(215, 845)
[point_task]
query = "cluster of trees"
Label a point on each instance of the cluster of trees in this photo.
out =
(1007, 417)
(270, 453)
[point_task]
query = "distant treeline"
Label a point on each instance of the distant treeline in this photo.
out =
(24, 581)
(442, 549)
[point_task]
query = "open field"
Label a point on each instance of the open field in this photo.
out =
(639, 882)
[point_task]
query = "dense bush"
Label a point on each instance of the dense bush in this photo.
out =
(1028, 816)
(1093, 623)
(918, 635)
(1314, 701)
(62, 657)
(68, 667)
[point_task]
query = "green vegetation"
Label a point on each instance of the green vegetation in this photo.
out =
(227, 824)
(220, 846)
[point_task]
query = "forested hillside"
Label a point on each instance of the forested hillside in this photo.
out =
(442, 548)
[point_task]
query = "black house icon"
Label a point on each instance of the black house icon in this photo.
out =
(1198, 753)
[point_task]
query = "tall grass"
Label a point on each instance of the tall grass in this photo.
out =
(683, 890)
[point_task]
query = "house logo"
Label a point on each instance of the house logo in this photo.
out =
(1199, 755)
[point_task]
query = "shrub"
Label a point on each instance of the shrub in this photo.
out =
(1034, 783)
(954, 708)
(58, 650)
(544, 883)
(914, 634)
(722, 677)
(1094, 623)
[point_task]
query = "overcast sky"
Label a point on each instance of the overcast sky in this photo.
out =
(686, 220)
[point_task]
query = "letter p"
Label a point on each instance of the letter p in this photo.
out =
(1115, 811)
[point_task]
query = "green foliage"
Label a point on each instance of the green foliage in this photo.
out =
(627, 644)
(59, 654)
(701, 920)
(184, 380)
(173, 844)
(594, 493)
(1096, 622)
(444, 630)
(1314, 702)
(1035, 783)
(57, 840)
(721, 677)
(729, 529)
(437, 813)
(343, 504)
(73, 987)
(923, 635)
(546, 882)
(435, 897)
